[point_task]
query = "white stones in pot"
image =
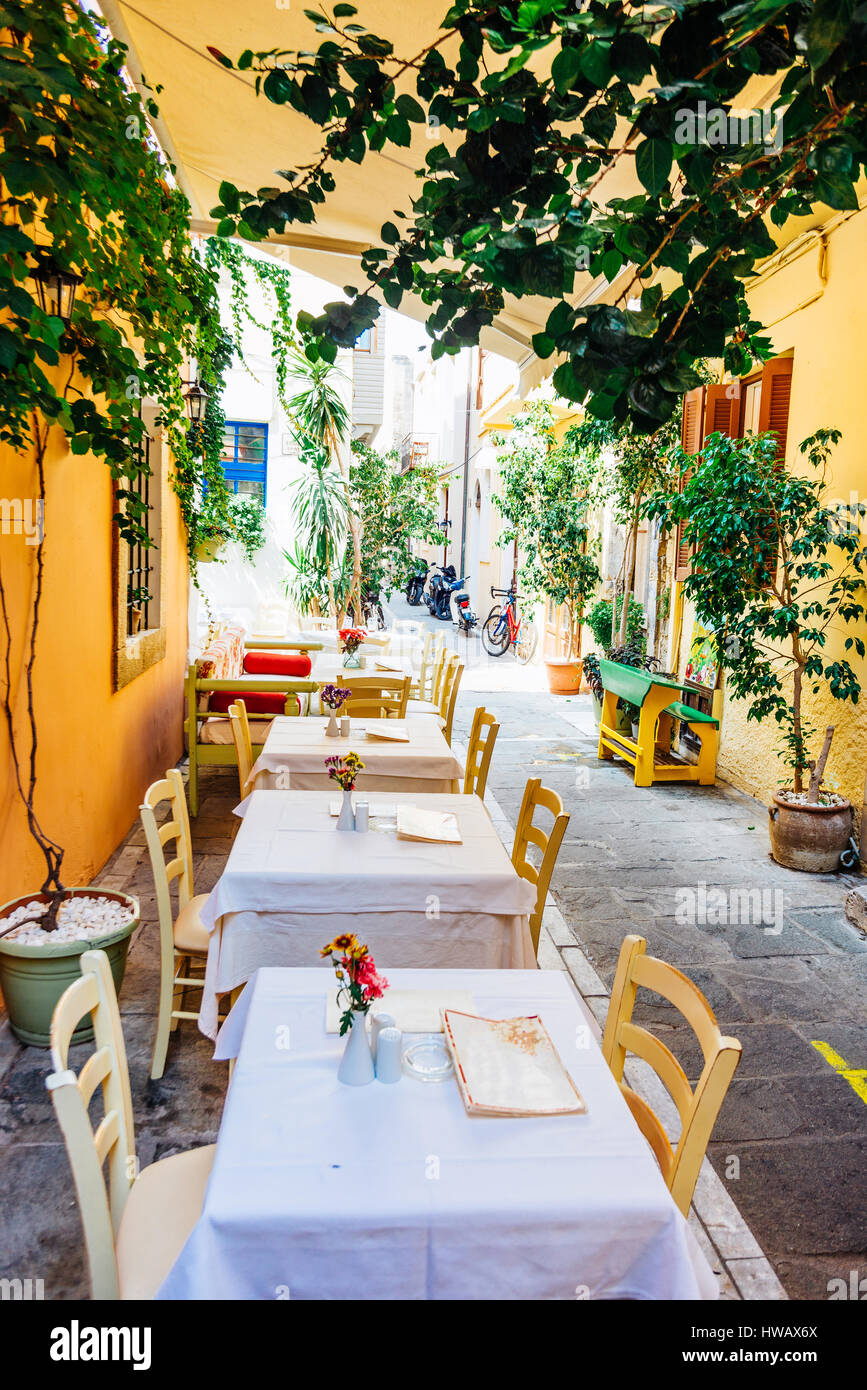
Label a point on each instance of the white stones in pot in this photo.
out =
(80, 918)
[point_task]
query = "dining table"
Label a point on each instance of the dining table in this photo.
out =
(321, 1190)
(398, 754)
(292, 881)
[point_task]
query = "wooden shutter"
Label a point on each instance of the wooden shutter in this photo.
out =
(691, 437)
(722, 410)
(774, 400)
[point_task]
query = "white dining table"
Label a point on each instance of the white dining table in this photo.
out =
(293, 881)
(326, 1191)
(294, 753)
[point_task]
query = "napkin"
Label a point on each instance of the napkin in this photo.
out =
(413, 1010)
(509, 1067)
(397, 735)
(437, 827)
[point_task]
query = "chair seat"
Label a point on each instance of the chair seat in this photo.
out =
(191, 934)
(424, 707)
(163, 1206)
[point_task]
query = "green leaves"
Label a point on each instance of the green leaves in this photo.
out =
(653, 164)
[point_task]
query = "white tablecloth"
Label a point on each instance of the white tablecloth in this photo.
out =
(324, 1191)
(293, 881)
(296, 748)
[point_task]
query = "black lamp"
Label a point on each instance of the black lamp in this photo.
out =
(196, 398)
(56, 288)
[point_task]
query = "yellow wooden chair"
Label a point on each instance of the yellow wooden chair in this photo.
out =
(134, 1230)
(535, 797)
(243, 744)
(483, 736)
(447, 682)
(432, 654)
(186, 938)
(377, 697)
(698, 1109)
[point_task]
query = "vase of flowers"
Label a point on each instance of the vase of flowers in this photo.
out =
(351, 639)
(359, 985)
(334, 698)
(344, 771)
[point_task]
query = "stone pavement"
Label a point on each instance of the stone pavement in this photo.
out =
(780, 963)
(790, 1144)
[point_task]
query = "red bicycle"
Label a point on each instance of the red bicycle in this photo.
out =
(503, 628)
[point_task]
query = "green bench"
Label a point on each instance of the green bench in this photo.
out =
(650, 753)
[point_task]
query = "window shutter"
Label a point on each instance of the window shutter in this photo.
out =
(774, 400)
(691, 438)
(722, 410)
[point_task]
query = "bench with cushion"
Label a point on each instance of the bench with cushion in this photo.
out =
(270, 677)
(650, 754)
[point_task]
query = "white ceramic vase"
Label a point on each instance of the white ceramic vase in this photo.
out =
(333, 728)
(346, 819)
(356, 1065)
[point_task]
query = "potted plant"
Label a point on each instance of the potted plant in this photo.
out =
(544, 501)
(775, 574)
(633, 653)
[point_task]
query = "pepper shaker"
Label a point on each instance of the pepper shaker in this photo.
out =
(377, 1023)
(388, 1049)
(344, 726)
(362, 815)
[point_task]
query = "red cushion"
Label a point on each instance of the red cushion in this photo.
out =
(257, 702)
(276, 664)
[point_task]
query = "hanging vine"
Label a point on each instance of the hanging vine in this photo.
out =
(274, 280)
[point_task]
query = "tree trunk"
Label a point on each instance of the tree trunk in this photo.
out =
(798, 780)
(817, 769)
(628, 577)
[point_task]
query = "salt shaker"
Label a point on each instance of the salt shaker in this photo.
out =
(362, 815)
(377, 1023)
(388, 1050)
(344, 726)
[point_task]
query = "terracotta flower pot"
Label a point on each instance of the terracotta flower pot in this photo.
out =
(32, 978)
(810, 838)
(564, 675)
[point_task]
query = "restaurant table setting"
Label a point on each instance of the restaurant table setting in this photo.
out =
(292, 881)
(516, 1172)
(399, 754)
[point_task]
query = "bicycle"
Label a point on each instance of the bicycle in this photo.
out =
(503, 628)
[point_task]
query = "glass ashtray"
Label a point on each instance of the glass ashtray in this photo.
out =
(427, 1058)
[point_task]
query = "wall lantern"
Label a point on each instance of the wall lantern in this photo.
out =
(196, 398)
(56, 289)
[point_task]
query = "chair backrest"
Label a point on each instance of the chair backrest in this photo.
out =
(243, 744)
(453, 669)
(538, 797)
(174, 832)
(698, 1109)
(113, 1138)
(432, 655)
(483, 736)
(377, 697)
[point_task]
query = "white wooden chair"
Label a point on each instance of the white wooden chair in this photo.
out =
(698, 1109)
(548, 844)
(185, 938)
(134, 1230)
(483, 736)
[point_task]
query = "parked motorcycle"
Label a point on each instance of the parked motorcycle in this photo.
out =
(415, 584)
(438, 577)
(456, 605)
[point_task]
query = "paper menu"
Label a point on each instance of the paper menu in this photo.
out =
(509, 1067)
(433, 827)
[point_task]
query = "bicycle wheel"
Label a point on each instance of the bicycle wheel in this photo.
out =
(525, 645)
(495, 634)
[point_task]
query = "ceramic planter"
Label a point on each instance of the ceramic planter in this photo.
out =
(810, 838)
(564, 675)
(32, 978)
(208, 550)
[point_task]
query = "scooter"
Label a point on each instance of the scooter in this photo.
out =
(459, 608)
(415, 584)
(438, 577)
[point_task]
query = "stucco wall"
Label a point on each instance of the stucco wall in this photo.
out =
(827, 390)
(98, 749)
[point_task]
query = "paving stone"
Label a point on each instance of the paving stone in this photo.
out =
(833, 928)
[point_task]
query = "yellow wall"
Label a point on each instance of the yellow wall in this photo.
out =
(828, 389)
(98, 750)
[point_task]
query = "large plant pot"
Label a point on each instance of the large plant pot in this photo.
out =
(622, 722)
(32, 978)
(209, 549)
(810, 838)
(564, 675)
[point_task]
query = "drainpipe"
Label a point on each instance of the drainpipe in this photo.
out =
(470, 360)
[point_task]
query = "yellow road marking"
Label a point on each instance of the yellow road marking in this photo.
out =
(857, 1079)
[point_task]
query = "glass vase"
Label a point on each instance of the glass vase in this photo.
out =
(352, 660)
